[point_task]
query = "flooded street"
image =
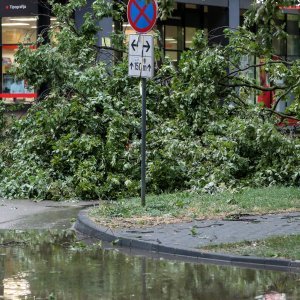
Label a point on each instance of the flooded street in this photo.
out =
(56, 265)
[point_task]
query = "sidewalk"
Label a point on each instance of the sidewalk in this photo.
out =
(186, 239)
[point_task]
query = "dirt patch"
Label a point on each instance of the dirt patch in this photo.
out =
(139, 222)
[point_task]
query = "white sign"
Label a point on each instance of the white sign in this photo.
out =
(141, 56)
(22, 6)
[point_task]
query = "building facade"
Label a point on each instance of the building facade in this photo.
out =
(187, 17)
(23, 20)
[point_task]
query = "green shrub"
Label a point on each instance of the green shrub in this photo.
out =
(83, 139)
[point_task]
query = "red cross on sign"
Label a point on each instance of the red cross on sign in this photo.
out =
(142, 15)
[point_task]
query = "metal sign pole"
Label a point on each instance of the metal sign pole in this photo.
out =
(143, 146)
(142, 17)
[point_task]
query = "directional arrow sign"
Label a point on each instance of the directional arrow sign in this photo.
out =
(147, 46)
(134, 45)
(141, 44)
(141, 56)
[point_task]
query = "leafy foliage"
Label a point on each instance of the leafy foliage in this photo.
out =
(83, 139)
(2, 118)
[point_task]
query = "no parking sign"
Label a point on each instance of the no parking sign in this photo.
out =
(142, 15)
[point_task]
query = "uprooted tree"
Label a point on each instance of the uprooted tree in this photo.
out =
(82, 138)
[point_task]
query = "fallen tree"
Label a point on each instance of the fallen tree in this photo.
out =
(82, 139)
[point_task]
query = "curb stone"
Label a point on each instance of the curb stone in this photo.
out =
(86, 226)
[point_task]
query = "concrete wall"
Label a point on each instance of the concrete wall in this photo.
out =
(234, 13)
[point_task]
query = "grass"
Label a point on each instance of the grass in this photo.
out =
(168, 208)
(279, 247)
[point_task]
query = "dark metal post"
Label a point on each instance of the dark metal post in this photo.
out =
(143, 147)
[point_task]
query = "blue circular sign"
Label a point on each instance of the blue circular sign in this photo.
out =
(142, 15)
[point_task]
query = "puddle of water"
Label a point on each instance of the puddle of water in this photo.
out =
(56, 219)
(52, 265)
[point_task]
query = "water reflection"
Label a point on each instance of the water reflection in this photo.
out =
(16, 287)
(272, 296)
(49, 264)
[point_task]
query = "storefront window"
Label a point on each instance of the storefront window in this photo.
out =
(54, 26)
(172, 55)
(293, 42)
(179, 30)
(16, 30)
(189, 34)
(279, 45)
(173, 36)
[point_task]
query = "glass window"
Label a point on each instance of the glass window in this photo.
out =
(178, 35)
(246, 61)
(189, 34)
(279, 46)
(293, 42)
(191, 6)
(293, 46)
(193, 17)
(16, 30)
(54, 26)
(173, 37)
(19, 30)
(174, 56)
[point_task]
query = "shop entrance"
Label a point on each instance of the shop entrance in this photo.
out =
(16, 30)
(19, 24)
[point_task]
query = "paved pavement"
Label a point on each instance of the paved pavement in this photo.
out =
(186, 239)
(201, 233)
